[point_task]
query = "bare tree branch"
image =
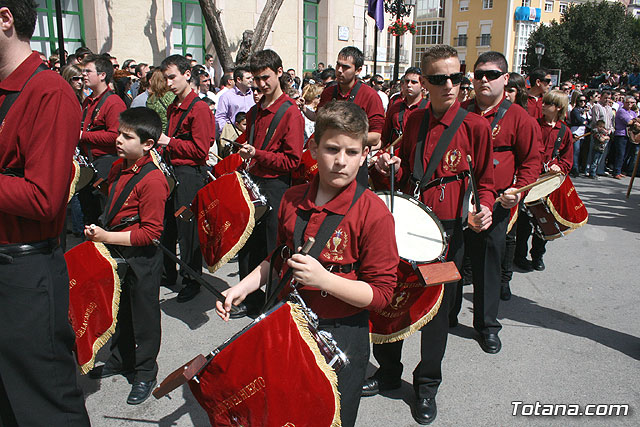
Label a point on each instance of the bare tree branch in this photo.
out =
(265, 22)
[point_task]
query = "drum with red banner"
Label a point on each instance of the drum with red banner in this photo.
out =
(94, 297)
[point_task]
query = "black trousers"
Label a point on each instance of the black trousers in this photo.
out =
(92, 200)
(486, 252)
(352, 336)
(427, 376)
(525, 229)
(136, 342)
(37, 369)
(263, 239)
(184, 232)
(507, 260)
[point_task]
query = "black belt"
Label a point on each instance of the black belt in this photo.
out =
(344, 268)
(361, 318)
(445, 180)
(8, 252)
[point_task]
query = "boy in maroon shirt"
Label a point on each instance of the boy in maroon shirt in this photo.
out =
(446, 192)
(191, 133)
(38, 135)
(361, 252)
(398, 112)
(271, 159)
(131, 227)
(556, 153)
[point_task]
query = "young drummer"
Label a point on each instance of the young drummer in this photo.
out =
(398, 112)
(361, 252)
(131, 226)
(556, 153)
(275, 130)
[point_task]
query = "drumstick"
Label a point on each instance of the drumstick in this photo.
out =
(197, 277)
(582, 136)
(474, 185)
(393, 176)
(213, 178)
(533, 184)
(234, 143)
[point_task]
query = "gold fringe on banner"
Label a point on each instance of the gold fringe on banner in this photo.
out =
(76, 177)
(115, 304)
(572, 225)
(411, 329)
(303, 327)
(245, 234)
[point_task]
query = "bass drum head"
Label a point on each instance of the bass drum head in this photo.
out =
(419, 234)
(544, 189)
(86, 176)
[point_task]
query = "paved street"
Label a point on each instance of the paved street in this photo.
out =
(571, 334)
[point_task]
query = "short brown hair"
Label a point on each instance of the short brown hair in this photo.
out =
(559, 99)
(439, 51)
(345, 117)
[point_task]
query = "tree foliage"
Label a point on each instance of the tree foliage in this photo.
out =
(589, 38)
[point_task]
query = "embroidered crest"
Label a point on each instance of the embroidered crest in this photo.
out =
(495, 131)
(399, 300)
(336, 246)
(452, 159)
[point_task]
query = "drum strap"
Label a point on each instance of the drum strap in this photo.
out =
(275, 121)
(95, 112)
(13, 96)
(403, 107)
(326, 230)
(184, 115)
(556, 146)
(107, 217)
(352, 95)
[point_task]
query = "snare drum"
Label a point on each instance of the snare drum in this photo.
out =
(260, 204)
(166, 169)
(87, 171)
(421, 240)
(272, 373)
(556, 207)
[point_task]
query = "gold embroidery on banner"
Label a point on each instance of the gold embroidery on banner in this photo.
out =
(85, 323)
(399, 300)
(336, 245)
(495, 131)
(72, 283)
(243, 394)
(289, 425)
(452, 159)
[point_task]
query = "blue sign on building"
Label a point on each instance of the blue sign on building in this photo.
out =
(530, 14)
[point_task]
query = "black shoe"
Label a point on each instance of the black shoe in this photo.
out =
(537, 264)
(523, 264)
(104, 371)
(240, 312)
(373, 386)
(505, 292)
(140, 391)
(425, 411)
(189, 292)
(490, 343)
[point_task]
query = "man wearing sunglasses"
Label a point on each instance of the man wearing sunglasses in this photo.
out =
(540, 80)
(446, 192)
(516, 152)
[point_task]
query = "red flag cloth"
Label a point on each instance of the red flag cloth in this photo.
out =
(227, 165)
(567, 208)
(306, 171)
(94, 296)
(271, 375)
(225, 215)
(412, 306)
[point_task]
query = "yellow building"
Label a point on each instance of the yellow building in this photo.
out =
(477, 26)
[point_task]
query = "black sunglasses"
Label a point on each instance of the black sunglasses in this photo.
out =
(465, 87)
(489, 74)
(76, 78)
(545, 80)
(378, 82)
(441, 79)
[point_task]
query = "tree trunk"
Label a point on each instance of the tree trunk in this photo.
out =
(219, 38)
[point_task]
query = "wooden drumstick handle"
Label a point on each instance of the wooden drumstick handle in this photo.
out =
(307, 246)
(398, 139)
(533, 184)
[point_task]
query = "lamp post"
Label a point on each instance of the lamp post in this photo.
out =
(539, 49)
(399, 9)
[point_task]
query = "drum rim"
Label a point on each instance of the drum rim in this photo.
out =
(431, 214)
(530, 202)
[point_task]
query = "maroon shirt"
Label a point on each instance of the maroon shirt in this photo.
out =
(521, 134)
(103, 140)
(391, 121)
(147, 199)
(367, 98)
(200, 127)
(534, 106)
(38, 136)
(284, 151)
(366, 235)
(473, 137)
(565, 152)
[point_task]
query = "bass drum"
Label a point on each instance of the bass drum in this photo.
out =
(421, 240)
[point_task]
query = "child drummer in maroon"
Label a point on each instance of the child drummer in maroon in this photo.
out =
(356, 269)
(133, 219)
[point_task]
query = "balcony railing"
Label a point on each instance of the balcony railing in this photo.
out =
(386, 54)
(460, 41)
(483, 40)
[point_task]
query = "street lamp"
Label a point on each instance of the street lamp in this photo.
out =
(539, 52)
(398, 8)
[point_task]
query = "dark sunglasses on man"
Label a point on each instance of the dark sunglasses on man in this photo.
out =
(489, 74)
(441, 79)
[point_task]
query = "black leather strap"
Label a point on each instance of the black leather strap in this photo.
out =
(272, 126)
(352, 95)
(556, 145)
(95, 112)
(11, 97)
(403, 107)
(184, 116)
